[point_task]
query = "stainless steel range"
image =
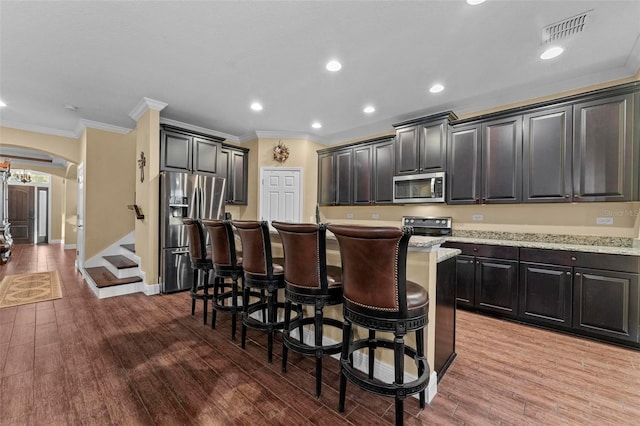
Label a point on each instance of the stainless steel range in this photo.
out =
(428, 226)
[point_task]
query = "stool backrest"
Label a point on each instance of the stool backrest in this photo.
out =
(223, 243)
(305, 254)
(374, 265)
(256, 247)
(197, 247)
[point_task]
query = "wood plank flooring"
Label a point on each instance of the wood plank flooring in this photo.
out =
(140, 360)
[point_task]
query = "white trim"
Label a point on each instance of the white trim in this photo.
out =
(56, 242)
(271, 134)
(89, 124)
(39, 129)
(144, 105)
(187, 126)
(70, 246)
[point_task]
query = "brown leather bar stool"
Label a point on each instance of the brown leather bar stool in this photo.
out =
(200, 263)
(308, 281)
(378, 296)
(260, 274)
(226, 264)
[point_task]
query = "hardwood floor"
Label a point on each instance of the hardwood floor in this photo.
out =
(139, 360)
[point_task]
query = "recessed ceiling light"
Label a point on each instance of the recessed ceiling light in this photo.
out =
(436, 88)
(475, 2)
(369, 109)
(552, 52)
(2, 104)
(334, 66)
(316, 125)
(256, 106)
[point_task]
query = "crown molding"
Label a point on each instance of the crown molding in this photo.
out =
(192, 127)
(144, 105)
(275, 134)
(89, 124)
(38, 129)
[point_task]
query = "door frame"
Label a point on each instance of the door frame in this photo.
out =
(263, 171)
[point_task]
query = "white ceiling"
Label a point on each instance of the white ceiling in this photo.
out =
(208, 60)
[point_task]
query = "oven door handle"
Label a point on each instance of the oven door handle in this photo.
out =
(433, 187)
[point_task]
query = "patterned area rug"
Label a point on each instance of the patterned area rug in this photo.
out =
(29, 288)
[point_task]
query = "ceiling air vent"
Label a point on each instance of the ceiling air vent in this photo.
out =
(566, 28)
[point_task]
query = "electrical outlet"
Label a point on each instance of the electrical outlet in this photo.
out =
(349, 215)
(604, 221)
(477, 217)
(375, 216)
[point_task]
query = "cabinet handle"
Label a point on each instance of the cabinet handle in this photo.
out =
(568, 273)
(578, 274)
(566, 196)
(475, 249)
(573, 258)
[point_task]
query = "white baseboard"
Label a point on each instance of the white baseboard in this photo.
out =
(56, 242)
(70, 246)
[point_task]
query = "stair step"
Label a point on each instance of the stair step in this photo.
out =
(130, 247)
(103, 278)
(120, 262)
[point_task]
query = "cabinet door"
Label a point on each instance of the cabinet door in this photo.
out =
(433, 147)
(383, 166)
(546, 164)
(603, 150)
(465, 280)
(175, 150)
(238, 165)
(605, 303)
(224, 171)
(344, 167)
(502, 161)
(497, 285)
(205, 156)
(464, 166)
(545, 293)
(363, 174)
(326, 179)
(407, 151)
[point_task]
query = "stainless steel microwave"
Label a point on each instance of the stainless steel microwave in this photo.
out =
(424, 188)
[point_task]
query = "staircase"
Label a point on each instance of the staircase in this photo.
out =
(116, 273)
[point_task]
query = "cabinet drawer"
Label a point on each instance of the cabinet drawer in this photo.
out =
(485, 250)
(609, 262)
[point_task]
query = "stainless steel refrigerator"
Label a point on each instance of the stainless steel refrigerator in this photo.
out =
(184, 195)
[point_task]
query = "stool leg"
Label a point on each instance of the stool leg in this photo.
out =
(420, 356)
(269, 319)
(216, 291)
(286, 333)
(344, 357)
(398, 352)
(194, 290)
(234, 304)
(372, 352)
(245, 314)
(318, 342)
(205, 289)
(300, 328)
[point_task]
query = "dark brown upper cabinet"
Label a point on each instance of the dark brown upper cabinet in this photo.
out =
(373, 173)
(547, 155)
(485, 162)
(604, 151)
(421, 144)
(334, 177)
(234, 166)
(184, 151)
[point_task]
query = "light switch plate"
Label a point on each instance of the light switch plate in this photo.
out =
(349, 215)
(604, 221)
(477, 217)
(375, 216)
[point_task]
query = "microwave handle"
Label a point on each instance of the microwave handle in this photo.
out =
(433, 187)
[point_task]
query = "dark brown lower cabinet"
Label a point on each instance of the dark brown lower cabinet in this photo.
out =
(545, 293)
(466, 280)
(605, 303)
(497, 285)
(445, 341)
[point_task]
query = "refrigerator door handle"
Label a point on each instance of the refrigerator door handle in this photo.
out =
(180, 251)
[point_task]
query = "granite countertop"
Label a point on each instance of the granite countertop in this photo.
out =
(629, 251)
(447, 253)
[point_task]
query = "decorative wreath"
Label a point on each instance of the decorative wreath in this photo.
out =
(280, 152)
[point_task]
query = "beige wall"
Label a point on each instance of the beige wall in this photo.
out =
(67, 148)
(70, 211)
(109, 167)
(147, 137)
(57, 207)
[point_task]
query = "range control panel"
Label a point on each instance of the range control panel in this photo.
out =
(428, 225)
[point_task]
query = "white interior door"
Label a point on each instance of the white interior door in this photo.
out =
(281, 194)
(80, 222)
